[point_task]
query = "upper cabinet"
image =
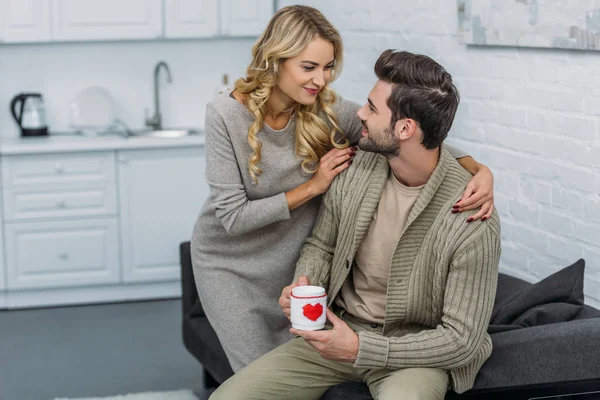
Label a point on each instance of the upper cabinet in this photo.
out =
(24, 21)
(106, 19)
(38, 21)
(245, 17)
(191, 18)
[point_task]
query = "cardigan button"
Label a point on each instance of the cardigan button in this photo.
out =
(347, 264)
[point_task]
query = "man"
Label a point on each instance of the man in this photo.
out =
(411, 283)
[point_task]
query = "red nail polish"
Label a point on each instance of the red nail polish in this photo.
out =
(469, 220)
(350, 162)
(455, 211)
(352, 154)
(483, 219)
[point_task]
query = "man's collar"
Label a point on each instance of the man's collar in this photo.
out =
(432, 185)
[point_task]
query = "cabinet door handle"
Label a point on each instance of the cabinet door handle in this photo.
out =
(64, 255)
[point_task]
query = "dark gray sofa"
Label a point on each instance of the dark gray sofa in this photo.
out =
(553, 359)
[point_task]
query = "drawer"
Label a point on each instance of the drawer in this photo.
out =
(53, 169)
(62, 254)
(83, 200)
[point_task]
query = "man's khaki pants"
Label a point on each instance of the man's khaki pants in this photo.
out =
(295, 370)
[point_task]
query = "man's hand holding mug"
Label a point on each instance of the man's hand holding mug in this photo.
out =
(284, 300)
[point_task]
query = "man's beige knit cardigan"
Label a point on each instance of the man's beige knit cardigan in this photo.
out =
(443, 275)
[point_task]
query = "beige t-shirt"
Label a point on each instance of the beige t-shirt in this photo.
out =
(364, 292)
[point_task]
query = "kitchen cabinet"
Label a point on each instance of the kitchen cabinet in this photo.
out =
(60, 224)
(161, 194)
(106, 19)
(206, 18)
(57, 170)
(24, 21)
(191, 18)
(80, 201)
(245, 17)
(37, 21)
(89, 220)
(62, 253)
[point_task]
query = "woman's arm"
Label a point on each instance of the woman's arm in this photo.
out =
(479, 191)
(469, 163)
(233, 209)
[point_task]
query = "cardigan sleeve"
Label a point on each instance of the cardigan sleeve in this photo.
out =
(233, 209)
(468, 301)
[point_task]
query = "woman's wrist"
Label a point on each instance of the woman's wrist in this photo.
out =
(470, 164)
(312, 188)
(301, 194)
(482, 168)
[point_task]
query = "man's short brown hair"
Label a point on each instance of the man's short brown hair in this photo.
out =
(422, 90)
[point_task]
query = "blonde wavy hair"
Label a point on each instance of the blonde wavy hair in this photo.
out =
(289, 32)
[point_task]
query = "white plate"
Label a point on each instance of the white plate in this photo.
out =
(92, 110)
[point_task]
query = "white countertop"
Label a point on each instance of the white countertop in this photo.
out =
(60, 143)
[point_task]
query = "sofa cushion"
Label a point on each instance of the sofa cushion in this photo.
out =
(566, 351)
(557, 298)
(588, 312)
(507, 287)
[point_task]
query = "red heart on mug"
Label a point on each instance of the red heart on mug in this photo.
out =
(312, 312)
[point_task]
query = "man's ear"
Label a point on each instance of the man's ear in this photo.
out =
(405, 128)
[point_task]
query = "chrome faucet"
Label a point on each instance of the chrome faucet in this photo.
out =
(156, 121)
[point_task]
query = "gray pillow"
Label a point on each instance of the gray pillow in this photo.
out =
(557, 298)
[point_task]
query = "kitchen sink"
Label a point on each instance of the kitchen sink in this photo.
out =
(165, 133)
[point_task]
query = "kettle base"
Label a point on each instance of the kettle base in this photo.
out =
(34, 132)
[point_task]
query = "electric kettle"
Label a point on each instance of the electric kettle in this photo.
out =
(31, 116)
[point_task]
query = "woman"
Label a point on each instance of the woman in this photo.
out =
(273, 146)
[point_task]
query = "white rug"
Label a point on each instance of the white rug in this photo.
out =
(175, 395)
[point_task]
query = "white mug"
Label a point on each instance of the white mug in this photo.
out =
(308, 308)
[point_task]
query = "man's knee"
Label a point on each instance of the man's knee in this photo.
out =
(251, 383)
(411, 393)
(227, 390)
(263, 378)
(408, 394)
(414, 384)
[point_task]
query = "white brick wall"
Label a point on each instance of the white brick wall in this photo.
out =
(530, 114)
